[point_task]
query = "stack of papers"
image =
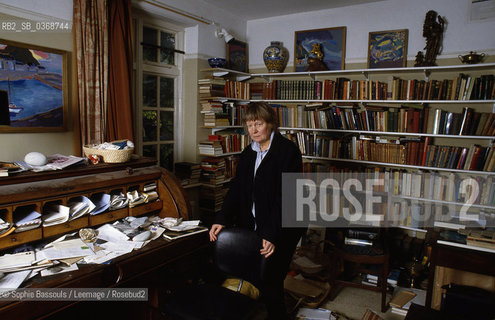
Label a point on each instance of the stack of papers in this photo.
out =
(26, 218)
(314, 314)
(5, 227)
(135, 198)
(182, 229)
(118, 201)
(80, 206)
(101, 202)
(55, 214)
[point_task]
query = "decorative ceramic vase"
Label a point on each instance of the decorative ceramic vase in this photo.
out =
(275, 57)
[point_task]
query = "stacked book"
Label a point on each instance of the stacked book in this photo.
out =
(188, 172)
(216, 114)
(210, 148)
(211, 197)
(393, 277)
(404, 297)
(211, 87)
(212, 171)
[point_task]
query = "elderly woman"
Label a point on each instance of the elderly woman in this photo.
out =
(254, 199)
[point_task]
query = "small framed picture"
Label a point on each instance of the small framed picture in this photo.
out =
(237, 57)
(324, 46)
(387, 49)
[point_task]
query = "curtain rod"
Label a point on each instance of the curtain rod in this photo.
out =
(179, 12)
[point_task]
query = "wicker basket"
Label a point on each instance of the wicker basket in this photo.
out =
(110, 156)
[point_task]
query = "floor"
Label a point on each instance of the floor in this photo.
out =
(349, 304)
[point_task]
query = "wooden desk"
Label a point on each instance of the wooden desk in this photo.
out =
(156, 267)
(461, 258)
(159, 265)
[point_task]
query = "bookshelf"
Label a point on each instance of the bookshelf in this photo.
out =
(223, 95)
(437, 93)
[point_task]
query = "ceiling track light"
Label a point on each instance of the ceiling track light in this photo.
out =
(222, 33)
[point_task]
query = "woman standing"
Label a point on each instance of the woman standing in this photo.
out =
(254, 199)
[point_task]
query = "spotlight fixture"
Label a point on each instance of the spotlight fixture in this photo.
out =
(224, 34)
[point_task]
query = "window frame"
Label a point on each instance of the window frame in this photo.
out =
(161, 70)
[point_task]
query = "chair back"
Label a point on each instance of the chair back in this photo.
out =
(237, 253)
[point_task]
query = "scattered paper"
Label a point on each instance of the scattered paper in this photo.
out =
(59, 268)
(14, 280)
(111, 234)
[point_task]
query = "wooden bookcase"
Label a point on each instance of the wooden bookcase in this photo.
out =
(422, 152)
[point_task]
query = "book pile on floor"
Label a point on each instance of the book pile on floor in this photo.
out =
(187, 172)
(404, 297)
(212, 170)
(211, 197)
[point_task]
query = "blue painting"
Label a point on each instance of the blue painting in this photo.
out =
(331, 43)
(387, 49)
(32, 80)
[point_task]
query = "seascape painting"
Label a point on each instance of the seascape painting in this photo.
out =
(32, 78)
(331, 41)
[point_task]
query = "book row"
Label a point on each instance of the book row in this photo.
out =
(468, 122)
(426, 185)
(395, 151)
(223, 142)
(216, 113)
(462, 87)
(371, 118)
(223, 88)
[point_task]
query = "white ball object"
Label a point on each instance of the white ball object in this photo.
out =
(35, 159)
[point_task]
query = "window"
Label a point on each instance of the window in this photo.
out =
(158, 87)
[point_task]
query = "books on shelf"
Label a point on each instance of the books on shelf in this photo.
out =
(187, 172)
(462, 87)
(392, 278)
(211, 197)
(210, 148)
(212, 170)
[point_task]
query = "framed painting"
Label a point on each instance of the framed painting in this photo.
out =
(33, 88)
(319, 49)
(387, 49)
(237, 57)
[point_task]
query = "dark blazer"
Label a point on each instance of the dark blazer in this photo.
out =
(265, 189)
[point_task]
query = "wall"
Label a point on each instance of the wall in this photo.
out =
(461, 35)
(14, 146)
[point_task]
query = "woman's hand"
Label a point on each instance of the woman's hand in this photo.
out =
(214, 231)
(267, 249)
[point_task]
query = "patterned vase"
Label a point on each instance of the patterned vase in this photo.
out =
(275, 57)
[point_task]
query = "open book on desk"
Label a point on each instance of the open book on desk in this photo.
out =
(172, 234)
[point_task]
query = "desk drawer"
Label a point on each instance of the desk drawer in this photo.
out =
(146, 208)
(108, 216)
(65, 227)
(15, 239)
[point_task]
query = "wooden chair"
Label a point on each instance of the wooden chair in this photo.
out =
(353, 260)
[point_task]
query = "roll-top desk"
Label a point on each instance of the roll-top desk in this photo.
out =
(152, 266)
